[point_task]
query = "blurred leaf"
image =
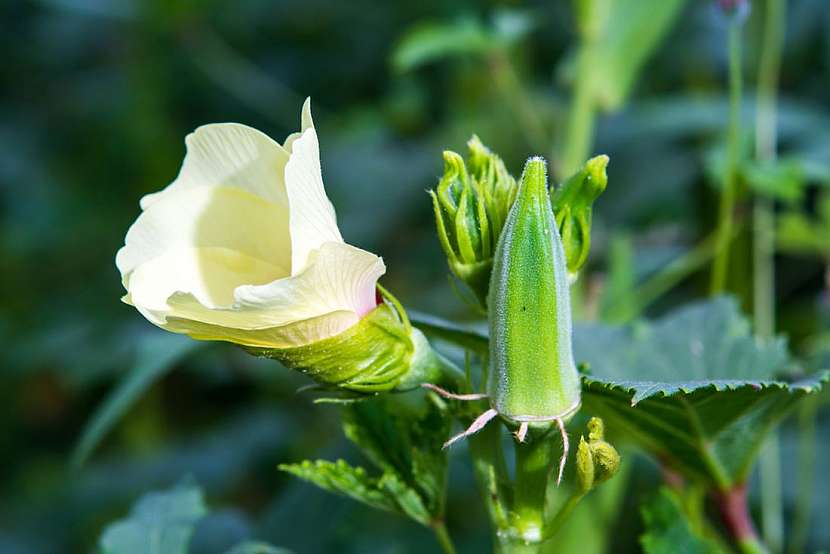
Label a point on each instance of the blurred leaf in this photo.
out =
(667, 530)
(797, 233)
(157, 353)
(631, 31)
(435, 41)
(159, 523)
(782, 179)
(694, 388)
(257, 548)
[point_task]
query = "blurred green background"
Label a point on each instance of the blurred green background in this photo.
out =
(97, 97)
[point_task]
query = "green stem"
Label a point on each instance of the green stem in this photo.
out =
(579, 137)
(534, 460)
(439, 528)
(764, 251)
(806, 475)
(491, 472)
(727, 198)
(563, 514)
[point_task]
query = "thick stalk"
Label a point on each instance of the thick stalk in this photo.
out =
(764, 252)
(726, 211)
(735, 512)
(534, 461)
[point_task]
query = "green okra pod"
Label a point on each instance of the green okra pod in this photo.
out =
(532, 376)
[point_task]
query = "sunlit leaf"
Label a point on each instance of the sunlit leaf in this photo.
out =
(694, 388)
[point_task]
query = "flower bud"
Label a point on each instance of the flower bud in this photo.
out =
(596, 460)
(572, 203)
(532, 374)
(382, 352)
(471, 203)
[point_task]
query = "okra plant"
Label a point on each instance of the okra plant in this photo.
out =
(552, 414)
(244, 247)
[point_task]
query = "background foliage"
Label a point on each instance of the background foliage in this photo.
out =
(97, 97)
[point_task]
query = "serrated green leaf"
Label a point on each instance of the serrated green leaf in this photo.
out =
(404, 439)
(667, 531)
(341, 478)
(157, 353)
(159, 523)
(695, 387)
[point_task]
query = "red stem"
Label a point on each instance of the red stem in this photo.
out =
(735, 512)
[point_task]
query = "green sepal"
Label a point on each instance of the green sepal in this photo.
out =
(572, 205)
(381, 352)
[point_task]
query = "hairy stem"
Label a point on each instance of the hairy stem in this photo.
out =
(727, 198)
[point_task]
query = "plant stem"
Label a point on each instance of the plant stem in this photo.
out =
(439, 528)
(735, 512)
(534, 460)
(727, 198)
(806, 475)
(764, 252)
(491, 472)
(563, 514)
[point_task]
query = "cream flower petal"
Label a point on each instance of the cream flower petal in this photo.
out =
(312, 220)
(234, 155)
(305, 122)
(205, 241)
(334, 291)
(244, 246)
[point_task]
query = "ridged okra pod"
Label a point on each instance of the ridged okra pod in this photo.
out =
(532, 375)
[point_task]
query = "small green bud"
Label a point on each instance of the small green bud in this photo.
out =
(381, 352)
(596, 460)
(532, 374)
(572, 203)
(584, 466)
(470, 204)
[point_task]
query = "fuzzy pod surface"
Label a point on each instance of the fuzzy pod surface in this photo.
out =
(532, 372)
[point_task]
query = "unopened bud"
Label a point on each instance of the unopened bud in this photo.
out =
(572, 206)
(471, 203)
(596, 460)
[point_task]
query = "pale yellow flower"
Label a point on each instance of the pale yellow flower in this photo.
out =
(244, 246)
